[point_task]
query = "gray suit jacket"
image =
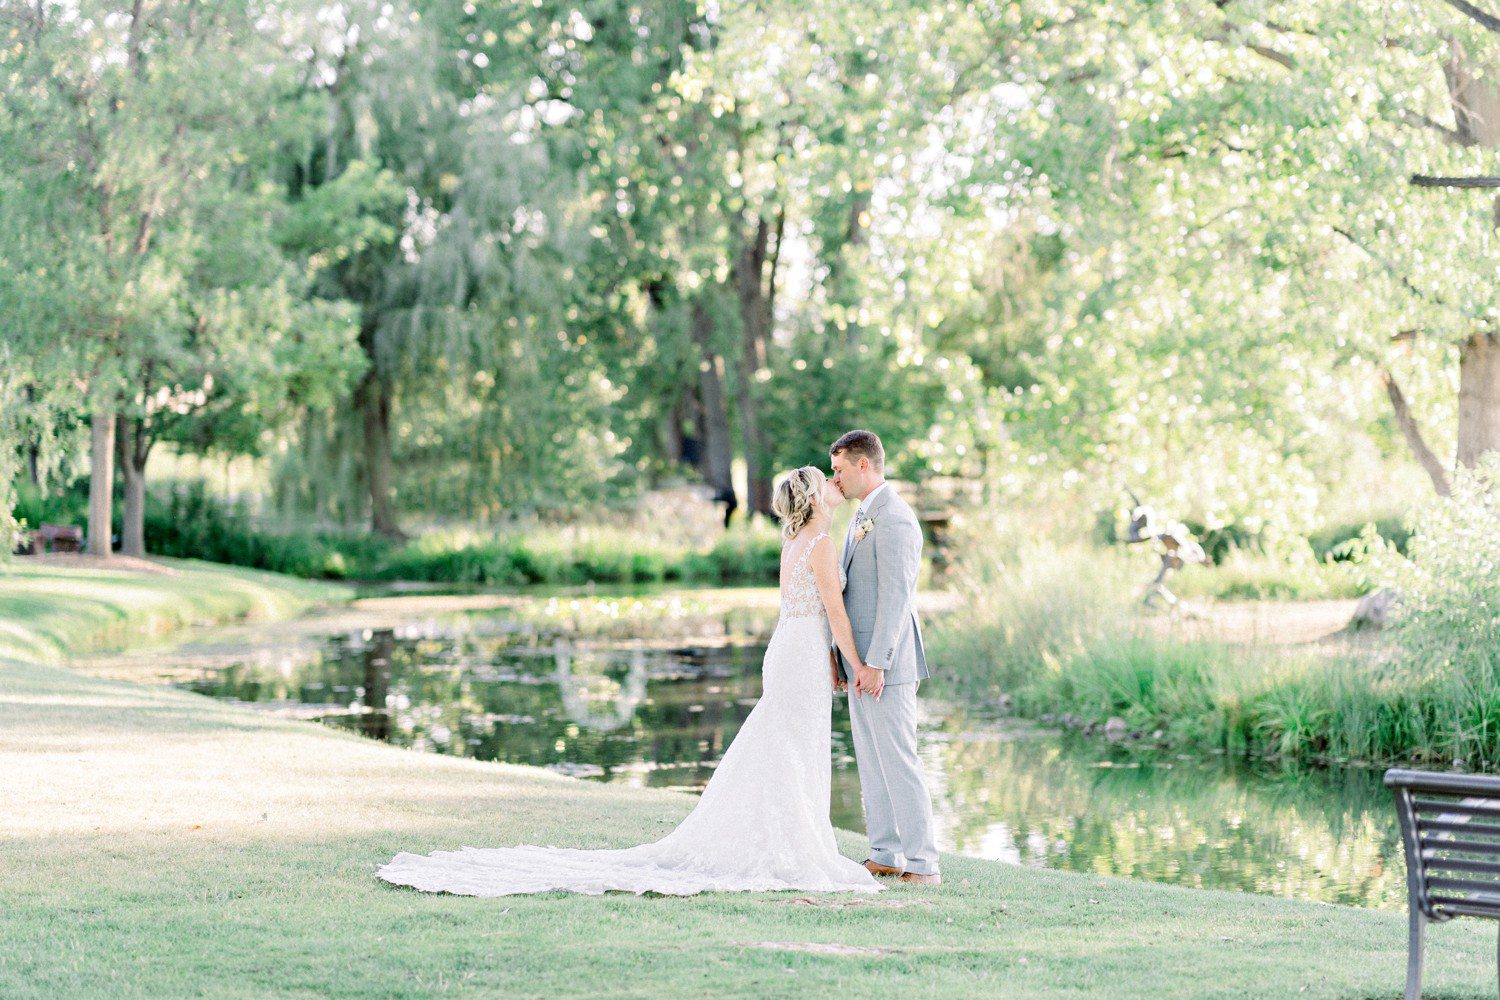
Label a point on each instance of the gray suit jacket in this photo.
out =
(880, 591)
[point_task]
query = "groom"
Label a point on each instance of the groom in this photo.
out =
(882, 553)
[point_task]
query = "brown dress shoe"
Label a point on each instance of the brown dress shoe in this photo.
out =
(916, 878)
(883, 871)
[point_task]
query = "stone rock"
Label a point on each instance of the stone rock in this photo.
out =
(1375, 609)
(1115, 728)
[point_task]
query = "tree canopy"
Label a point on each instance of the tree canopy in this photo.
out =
(473, 260)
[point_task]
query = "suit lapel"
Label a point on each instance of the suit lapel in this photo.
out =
(849, 540)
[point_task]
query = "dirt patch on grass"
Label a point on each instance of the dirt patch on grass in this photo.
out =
(844, 904)
(820, 948)
(80, 560)
(1266, 623)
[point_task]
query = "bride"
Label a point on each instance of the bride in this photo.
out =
(762, 822)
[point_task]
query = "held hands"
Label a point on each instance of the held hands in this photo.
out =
(868, 680)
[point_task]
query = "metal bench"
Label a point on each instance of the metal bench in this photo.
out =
(1450, 824)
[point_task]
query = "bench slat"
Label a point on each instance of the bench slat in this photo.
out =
(1481, 847)
(1465, 907)
(1455, 807)
(1458, 826)
(1478, 886)
(1463, 865)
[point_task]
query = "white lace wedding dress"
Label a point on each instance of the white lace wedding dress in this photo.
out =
(761, 824)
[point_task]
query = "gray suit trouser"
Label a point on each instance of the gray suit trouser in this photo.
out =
(898, 811)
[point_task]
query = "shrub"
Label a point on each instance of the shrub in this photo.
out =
(1342, 542)
(1447, 628)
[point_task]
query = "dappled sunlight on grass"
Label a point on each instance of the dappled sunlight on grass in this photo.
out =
(159, 843)
(175, 819)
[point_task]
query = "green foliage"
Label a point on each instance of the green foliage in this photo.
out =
(1344, 542)
(1052, 252)
(1447, 629)
(37, 506)
(570, 556)
(191, 523)
(1293, 574)
(11, 523)
(1051, 629)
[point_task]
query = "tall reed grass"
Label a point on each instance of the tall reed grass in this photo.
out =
(1056, 630)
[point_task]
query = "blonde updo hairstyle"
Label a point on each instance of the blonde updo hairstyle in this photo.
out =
(797, 498)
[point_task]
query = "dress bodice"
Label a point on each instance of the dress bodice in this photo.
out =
(799, 590)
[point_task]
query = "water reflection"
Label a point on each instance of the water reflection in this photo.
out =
(1074, 803)
(649, 713)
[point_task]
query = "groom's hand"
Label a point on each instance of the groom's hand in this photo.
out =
(869, 680)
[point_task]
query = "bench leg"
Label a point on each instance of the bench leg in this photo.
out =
(1414, 955)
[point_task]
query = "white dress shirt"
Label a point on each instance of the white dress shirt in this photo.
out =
(868, 500)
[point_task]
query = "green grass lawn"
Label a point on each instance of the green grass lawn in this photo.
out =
(48, 609)
(157, 843)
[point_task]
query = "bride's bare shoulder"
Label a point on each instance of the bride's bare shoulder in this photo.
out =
(823, 550)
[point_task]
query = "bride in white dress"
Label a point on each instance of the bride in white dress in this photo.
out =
(762, 822)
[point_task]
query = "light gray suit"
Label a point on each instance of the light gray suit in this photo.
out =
(880, 591)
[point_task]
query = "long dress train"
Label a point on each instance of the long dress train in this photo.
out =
(761, 824)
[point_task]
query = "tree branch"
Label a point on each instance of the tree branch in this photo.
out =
(1473, 13)
(1428, 181)
(1453, 135)
(1266, 52)
(1413, 435)
(1388, 267)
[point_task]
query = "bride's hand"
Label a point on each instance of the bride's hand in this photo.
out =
(869, 680)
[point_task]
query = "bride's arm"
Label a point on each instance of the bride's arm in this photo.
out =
(825, 569)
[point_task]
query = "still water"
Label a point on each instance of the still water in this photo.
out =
(654, 699)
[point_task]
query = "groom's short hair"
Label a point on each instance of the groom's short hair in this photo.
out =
(857, 443)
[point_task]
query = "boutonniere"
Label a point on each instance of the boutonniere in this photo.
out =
(865, 526)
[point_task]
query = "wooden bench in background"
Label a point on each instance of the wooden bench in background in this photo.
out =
(57, 538)
(1450, 824)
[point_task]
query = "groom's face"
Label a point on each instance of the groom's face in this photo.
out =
(852, 478)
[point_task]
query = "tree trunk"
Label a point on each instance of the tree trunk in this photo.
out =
(718, 451)
(133, 448)
(750, 290)
(1478, 398)
(1413, 434)
(33, 446)
(101, 482)
(842, 285)
(670, 436)
(374, 400)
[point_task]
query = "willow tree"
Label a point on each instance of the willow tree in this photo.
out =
(436, 150)
(136, 142)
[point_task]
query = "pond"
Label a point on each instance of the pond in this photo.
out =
(651, 690)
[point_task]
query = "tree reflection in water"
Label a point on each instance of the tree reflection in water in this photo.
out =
(1071, 802)
(649, 715)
